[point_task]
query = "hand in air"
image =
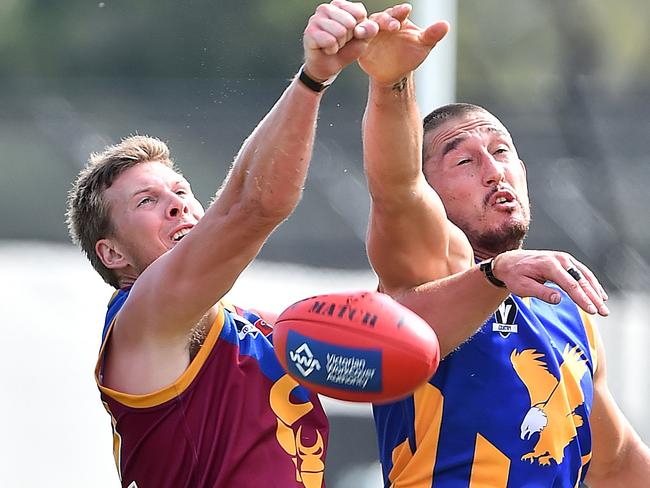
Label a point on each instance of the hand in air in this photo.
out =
(335, 36)
(525, 272)
(400, 47)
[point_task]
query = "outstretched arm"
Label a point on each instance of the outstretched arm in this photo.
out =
(524, 274)
(410, 240)
(262, 189)
(266, 179)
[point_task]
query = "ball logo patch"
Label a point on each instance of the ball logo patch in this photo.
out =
(303, 359)
(326, 364)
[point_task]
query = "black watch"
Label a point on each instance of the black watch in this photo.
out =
(313, 85)
(486, 268)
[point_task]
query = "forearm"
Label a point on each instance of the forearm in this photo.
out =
(392, 138)
(270, 169)
(468, 294)
(630, 468)
(261, 191)
(408, 234)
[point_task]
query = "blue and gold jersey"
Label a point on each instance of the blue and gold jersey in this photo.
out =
(508, 409)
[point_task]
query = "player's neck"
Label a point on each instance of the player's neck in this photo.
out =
(482, 255)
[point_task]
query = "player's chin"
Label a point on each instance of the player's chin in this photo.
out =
(510, 216)
(510, 226)
(505, 208)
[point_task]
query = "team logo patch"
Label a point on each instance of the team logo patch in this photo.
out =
(504, 318)
(244, 327)
(263, 326)
(247, 329)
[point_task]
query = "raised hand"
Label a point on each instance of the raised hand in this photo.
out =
(335, 36)
(525, 272)
(400, 46)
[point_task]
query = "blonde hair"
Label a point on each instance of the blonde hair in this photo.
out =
(88, 213)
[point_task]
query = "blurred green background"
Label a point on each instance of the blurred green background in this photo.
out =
(571, 80)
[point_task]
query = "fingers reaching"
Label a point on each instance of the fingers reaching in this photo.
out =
(433, 34)
(386, 22)
(538, 290)
(589, 285)
(579, 291)
(525, 274)
(356, 9)
(335, 36)
(586, 272)
(331, 27)
(569, 274)
(366, 30)
(399, 12)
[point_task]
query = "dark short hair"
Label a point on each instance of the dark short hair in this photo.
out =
(446, 112)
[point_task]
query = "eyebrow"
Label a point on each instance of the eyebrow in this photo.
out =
(454, 143)
(146, 189)
(451, 145)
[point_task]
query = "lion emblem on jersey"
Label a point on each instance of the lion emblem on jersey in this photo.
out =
(552, 402)
(307, 459)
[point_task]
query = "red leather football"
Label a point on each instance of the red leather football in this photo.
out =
(358, 346)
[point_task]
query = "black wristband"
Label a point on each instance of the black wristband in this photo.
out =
(312, 84)
(486, 268)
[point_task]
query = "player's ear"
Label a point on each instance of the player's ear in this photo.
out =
(109, 254)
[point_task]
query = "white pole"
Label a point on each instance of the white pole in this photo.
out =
(435, 79)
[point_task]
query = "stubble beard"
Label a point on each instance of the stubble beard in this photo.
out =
(496, 241)
(507, 237)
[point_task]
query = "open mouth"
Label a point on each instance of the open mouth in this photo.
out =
(502, 197)
(179, 234)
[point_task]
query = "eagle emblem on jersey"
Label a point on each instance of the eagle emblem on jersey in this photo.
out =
(552, 402)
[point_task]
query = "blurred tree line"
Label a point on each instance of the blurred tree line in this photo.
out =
(570, 79)
(534, 40)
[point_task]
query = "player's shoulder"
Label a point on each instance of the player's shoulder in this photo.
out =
(460, 252)
(113, 307)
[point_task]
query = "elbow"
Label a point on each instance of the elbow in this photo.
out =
(275, 208)
(266, 210)
(272, 199)
(625, 465)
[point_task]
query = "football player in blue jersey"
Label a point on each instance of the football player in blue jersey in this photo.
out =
(520, 399)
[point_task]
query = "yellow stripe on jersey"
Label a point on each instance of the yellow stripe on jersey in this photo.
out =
(402, 455)
(417, 472)
(177, 387)
(490, 466)
(584, 459)
(117, 442)
(590, 329)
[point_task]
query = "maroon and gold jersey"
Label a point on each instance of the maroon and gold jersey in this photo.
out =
(234, 418)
